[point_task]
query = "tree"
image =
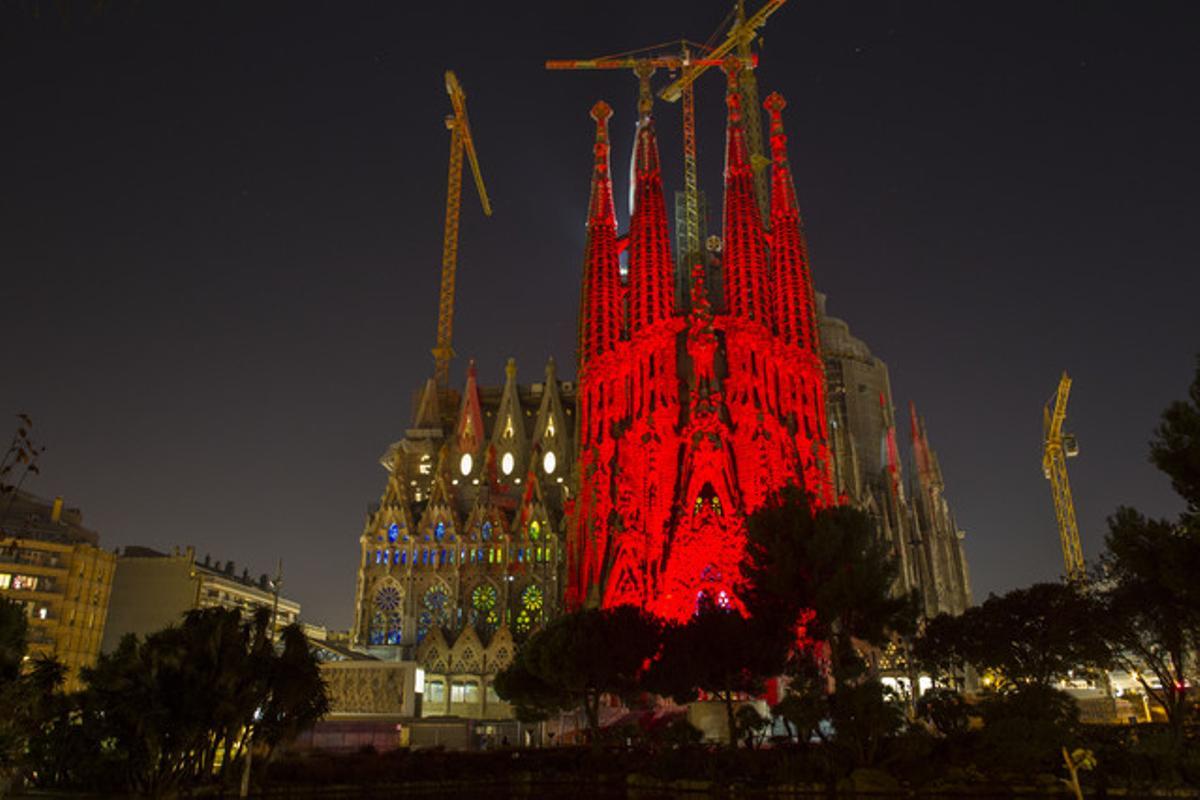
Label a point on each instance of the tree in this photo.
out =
(580, 657)
(1035, 635)
(14, 632)
(721, 653)
(297, 697)
(1149, 588)
(164, 708)
(829, 577)
(1175, 448)
(827, 570)
(1152, 603)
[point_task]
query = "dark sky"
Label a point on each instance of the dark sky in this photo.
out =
(220, 233)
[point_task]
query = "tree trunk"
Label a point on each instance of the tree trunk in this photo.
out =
(731, 720)
(591, 708)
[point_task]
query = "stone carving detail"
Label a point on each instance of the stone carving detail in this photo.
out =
(377, 689)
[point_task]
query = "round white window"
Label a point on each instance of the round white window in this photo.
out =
(507, 463)
(465, 464)
(549, 462)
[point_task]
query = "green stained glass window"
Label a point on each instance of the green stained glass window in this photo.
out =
(485, 609)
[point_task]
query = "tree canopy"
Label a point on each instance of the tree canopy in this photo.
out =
(720, 653)
(828, 570)
(1034, 635)
(578, 658)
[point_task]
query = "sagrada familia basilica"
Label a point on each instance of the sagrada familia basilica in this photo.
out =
(504, 506)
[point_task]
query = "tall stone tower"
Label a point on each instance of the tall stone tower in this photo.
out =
(687, 422)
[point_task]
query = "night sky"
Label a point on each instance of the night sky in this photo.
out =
(220, 237)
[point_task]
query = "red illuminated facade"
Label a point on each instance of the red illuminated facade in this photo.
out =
(688, 422)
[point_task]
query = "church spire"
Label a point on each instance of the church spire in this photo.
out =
(794, 313)
(599, 321)
(929, 472)
(650, 264)
(745, 253)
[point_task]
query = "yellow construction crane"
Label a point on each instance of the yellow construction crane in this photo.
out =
(1057, 448)
(689, 68)
(460, 142)
(739, 38)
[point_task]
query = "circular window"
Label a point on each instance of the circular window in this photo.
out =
(549, 462)
(465, 464)
(387, 598)
(507, 463)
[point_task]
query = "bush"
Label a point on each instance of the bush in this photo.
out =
(945, 709)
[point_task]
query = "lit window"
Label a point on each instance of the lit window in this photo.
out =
(535, 530)
(5, 580)
(435, 691)
(549, 462)
(485, 610)
(393, 532)
(466, 463)
(486, 531)
(439, 532)
(26, 583)
(507, 463)
(435, 612)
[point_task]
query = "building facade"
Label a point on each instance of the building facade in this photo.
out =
(913, 515)
(464, 555)
(505, 506)
(52, 565)
(690, 421)
(153, 590)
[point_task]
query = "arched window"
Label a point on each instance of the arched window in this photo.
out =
(439, 532)
(530, 611)
(387, 622)
(486, 532)
(485, 609)
(535, 530)
(393, 532)
(435, 611)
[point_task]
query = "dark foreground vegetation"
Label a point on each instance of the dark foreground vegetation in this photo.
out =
(969, 764)
(178, 710)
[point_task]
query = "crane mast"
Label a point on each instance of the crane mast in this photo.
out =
(1057, 447)
(460, 142)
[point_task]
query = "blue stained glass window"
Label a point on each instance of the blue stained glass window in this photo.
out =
(439, 532)
(436, 611)
(403, 557)
(378, 556)
(395, 556)
(393, 532)
(486, 532)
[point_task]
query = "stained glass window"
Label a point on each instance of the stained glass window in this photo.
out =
(535, 530)
(393, 532)
(435, 611)
(486, 532)
(485, 610)
(439, 532)
(530, 613)
(386, 622)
